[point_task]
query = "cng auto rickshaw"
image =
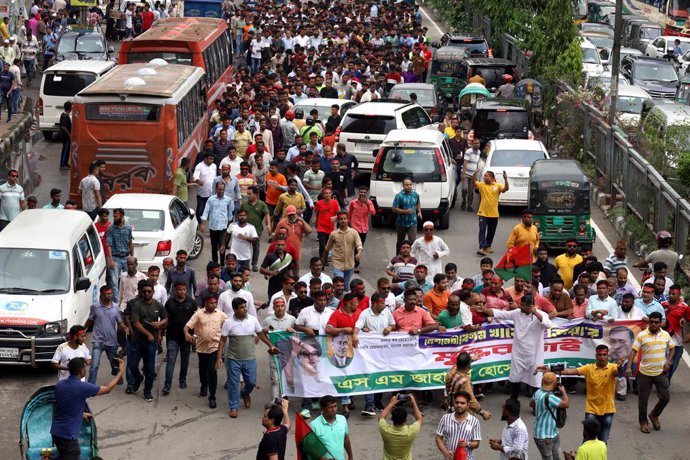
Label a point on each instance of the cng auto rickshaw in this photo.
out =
(683, 91)
(469, 96)
(559, 197)
(533, 91)
(448, 71)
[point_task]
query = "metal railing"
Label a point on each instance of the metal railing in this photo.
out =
(627, 176)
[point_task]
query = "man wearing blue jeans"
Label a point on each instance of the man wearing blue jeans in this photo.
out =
(120, 246)
(238, 331)
(105, 317)
(489, 191)
(180, 310)
(145, 324)
(346, 247)
(600, 381)
(545, 405)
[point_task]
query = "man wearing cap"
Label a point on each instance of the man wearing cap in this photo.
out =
(55, 198)
(528, 341)
(7, 52)
(430, 249)
(204, 174)
(525, 233)
(545, 405)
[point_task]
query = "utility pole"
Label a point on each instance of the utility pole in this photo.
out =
(614, 61)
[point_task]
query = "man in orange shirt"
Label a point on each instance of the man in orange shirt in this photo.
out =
(436, 300)
(274, 182)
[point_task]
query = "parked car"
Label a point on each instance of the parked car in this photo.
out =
(83, 44)
(656, 76)
(425, 156)
(515, 157)
(625, 52)
(365, 126)
(323, 105)
(501, 118)
(629, 105)
(161, 226)
(476, 45)
(643, 33)
(591, 61)
(598, 27)
(427, 97)
(662, 47)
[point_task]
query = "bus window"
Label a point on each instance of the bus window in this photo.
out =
(122, 112)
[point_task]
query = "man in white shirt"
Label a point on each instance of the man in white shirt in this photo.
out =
(159, 292)
(627, 310)
(469, 168)
(313, 320)
(429, 250)
(243, 235)
(204, 173)
(90, 189)
(287, 293)
(236, 291)
(73, 348)
(315, 271)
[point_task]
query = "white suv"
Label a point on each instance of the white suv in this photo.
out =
(365, 126)
(423, 155)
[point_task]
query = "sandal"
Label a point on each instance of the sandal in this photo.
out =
(655, 422)
(644, 428)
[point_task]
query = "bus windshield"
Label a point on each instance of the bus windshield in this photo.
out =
(677, 9)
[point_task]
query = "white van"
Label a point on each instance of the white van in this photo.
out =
(60, 83)
(424, 155)
(53, 266)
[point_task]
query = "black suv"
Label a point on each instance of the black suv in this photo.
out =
(656, 76)
(501, 118)
(475, 44)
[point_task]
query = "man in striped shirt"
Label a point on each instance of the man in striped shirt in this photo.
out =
(459, 429)
(545, 404)
(617, 259)
(656, 351)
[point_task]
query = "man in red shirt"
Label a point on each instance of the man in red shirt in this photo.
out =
(324, 216)
(340, 329)
(102, 225)
(677, 314)
(413, 319)
(358, 212)
(147, 17)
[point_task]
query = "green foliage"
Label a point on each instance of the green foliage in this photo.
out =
(667, 150)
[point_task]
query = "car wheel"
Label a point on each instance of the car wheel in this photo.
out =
(198, 246)
(444, 221)
(48, 135)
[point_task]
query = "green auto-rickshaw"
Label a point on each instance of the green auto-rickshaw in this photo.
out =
(559, 197)
(448, 71)
(683, 91)
(469, 96)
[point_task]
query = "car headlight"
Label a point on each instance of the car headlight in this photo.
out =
(57, 327)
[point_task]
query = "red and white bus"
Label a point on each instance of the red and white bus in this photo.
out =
(142, 120)
(202, 42)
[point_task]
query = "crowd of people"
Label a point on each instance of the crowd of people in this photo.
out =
(271, 174)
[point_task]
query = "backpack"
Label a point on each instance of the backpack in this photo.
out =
(560, 416)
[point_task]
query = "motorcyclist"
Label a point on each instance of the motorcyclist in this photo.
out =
(507, 89)
(664, 253)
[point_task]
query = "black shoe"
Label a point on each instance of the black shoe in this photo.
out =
(378, 405)
(226, 385)
(129, 390)
(212, 403)
(352, 406)
(148, 398)
(469, 209)
(165, 391)
(136, 386)
(620, 397)
(255, 268)
(203, 392)
(183, 385)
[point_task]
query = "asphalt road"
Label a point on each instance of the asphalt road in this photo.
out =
(181, 426)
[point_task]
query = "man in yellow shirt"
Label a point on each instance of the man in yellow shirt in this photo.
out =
(4, 31)
(525, 233)
(600, 382)
(242, 139)
(489, 191)
(565, 263)
(399, 436)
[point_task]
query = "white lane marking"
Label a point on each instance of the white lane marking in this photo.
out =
(609, 247)
(438, 28)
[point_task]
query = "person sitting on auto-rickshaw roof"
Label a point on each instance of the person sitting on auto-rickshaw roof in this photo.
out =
(477, 78)
(507, 89)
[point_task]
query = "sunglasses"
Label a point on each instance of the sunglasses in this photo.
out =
(313, 354)
(14, 175)
(571, 245)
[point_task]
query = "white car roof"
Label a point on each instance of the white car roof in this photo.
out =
(632, 91)
(321, 102)
(45, 229)
(673, 38)
(378, 108)
(518, 144)
(81, 66)
(415, 136)
(139, 201)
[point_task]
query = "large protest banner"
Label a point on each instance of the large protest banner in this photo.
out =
(316, 366)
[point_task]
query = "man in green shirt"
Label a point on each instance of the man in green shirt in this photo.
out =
(180, 188)
(399, 436)
(450, 317)
(592, 448)
(258, 215)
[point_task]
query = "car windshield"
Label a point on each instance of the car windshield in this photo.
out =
(425, 97)
(87, 44)
(600, 81)
(600, 42)
(451, 68)
(655, 72)
(630, 104)
(145, 220)
(515, 158)
(417, 162)
(650, 33)
(324, 110)
(603, 28)
(473, 46)
(590, 56)
(501, 123)
(368, 124)
(34, 271)
(169, 57)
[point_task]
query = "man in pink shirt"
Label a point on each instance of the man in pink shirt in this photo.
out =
(358, 213)
(413, 319)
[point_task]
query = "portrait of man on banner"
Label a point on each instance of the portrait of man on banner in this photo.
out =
(340, 350)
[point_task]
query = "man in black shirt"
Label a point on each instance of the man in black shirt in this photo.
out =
(548, 270)
(301, 301)
(66, 133)
(278, 266)
(180, 310)
(276, 420)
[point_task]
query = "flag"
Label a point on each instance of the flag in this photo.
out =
(309, 446)
(517, 261)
